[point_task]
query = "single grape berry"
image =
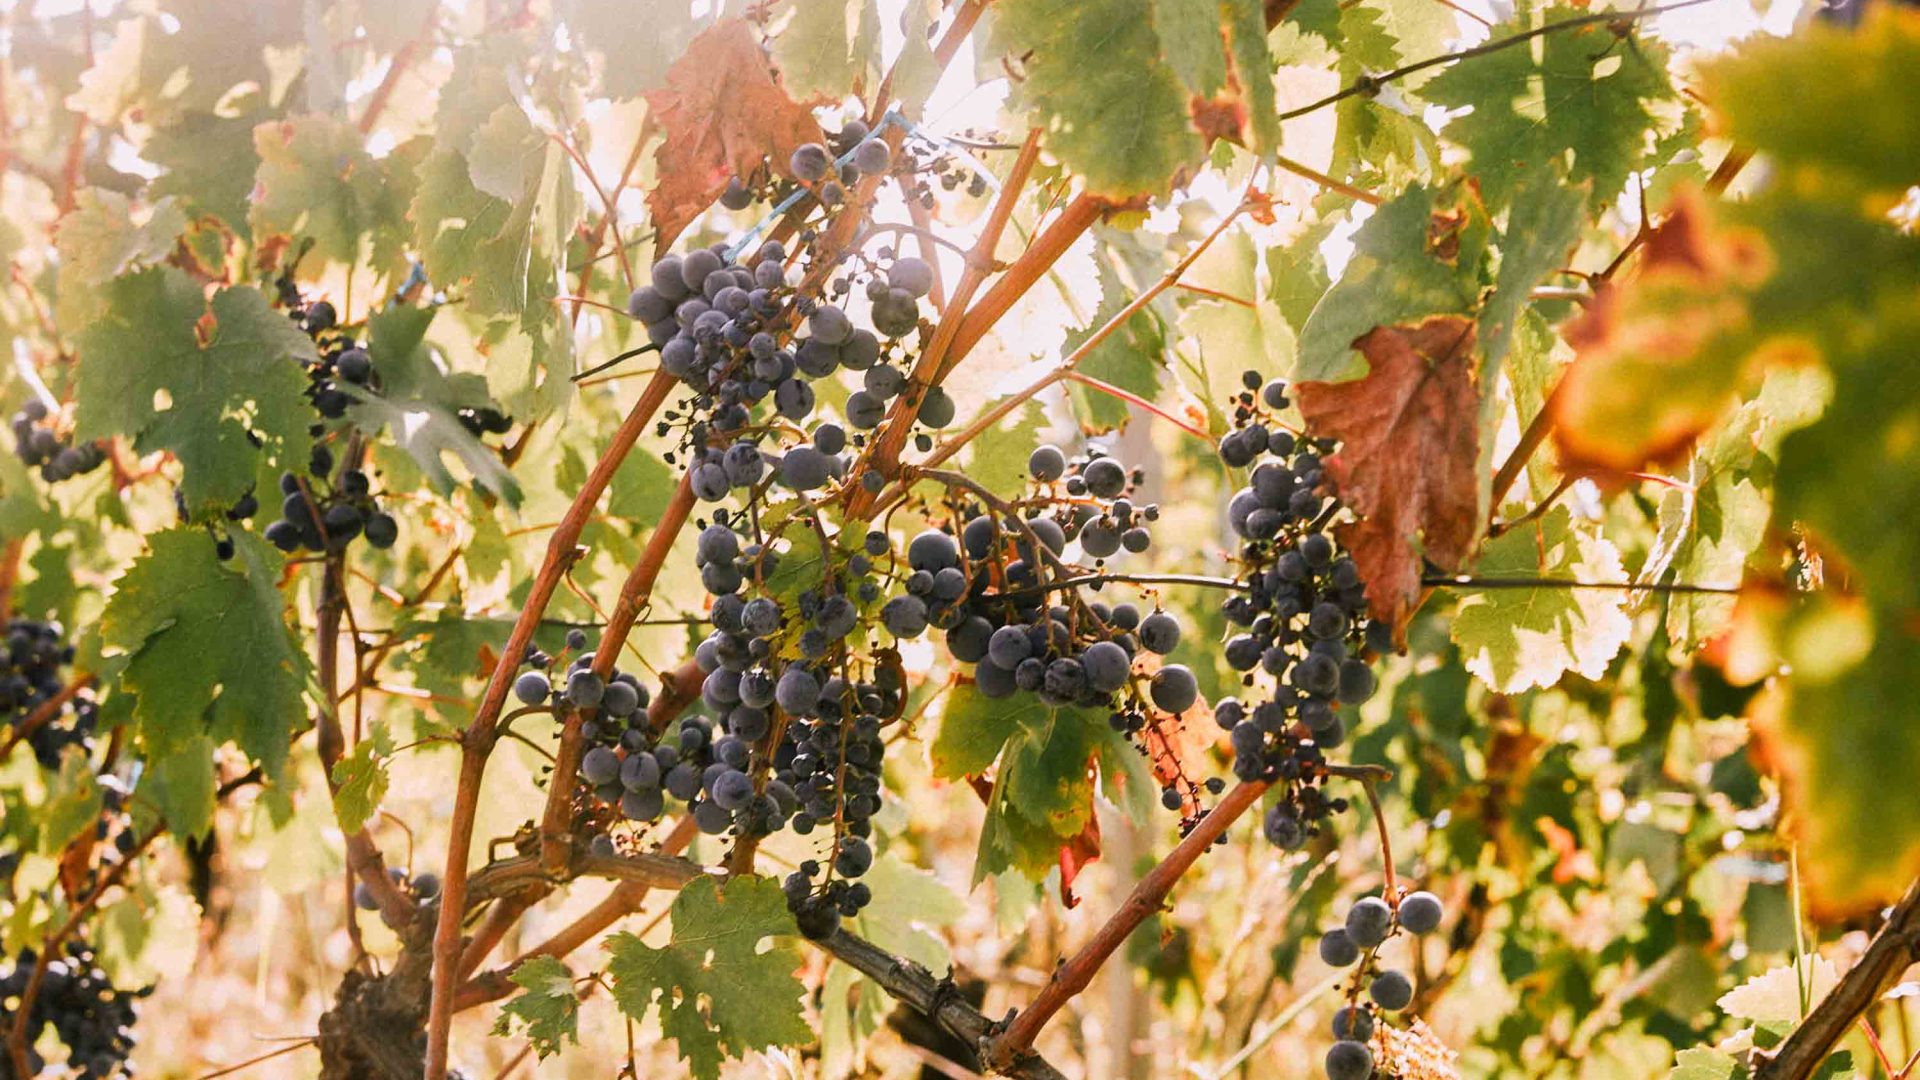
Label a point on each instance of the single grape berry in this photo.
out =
(1337, 948)
(1420, 912)
(1174, 688)
(1047, 463)
(1353, 1022)
(1391, 990)
(1159, 633)
(1369, 921)
(532, 688)
(1349, 1060)
(809, 162)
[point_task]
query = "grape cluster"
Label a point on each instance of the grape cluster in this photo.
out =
(41, 446)
(989, 591)
(725, 331)
(31, 673)
(76, 999)
(1303, 636)
(324, 512)
(1356, 944)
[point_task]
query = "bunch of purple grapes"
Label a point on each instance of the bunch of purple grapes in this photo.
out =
(40, 445)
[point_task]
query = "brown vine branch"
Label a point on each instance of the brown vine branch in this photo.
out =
(478, 739)
(1006, 1049)
(933, 998)
(1895, 948)
(396, 69)
(884, 453)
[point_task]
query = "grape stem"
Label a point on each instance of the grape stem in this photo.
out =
(363, 856)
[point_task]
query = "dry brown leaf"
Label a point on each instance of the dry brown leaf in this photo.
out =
(724, 111)
(1409, 446)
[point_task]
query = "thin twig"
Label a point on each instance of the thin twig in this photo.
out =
(1371, 84)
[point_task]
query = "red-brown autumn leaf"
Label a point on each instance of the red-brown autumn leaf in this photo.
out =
(1409, 442)
(724, 112)
(1660, 356)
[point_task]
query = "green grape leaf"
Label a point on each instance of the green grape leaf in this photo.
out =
(1420, 254)
(209, 650)
(73, 801)
(1543, 226)
(1190, 38)
(1513, 639)
(1579, 94)
(99, 240)
(1851, 473)
(909, 906)
(181, 784)
(1235, 330)
(222, 371)
(1720, 518)
(546, 1011)
(210, 163)
(1775, 995)
(317, 181)
(1253, 70)
(998, 457)
(642, 487)
(718, 993)
(466, 236)
(430, 431)
(973, 728)
(1113, 112)
(360, 779)
(828, 48)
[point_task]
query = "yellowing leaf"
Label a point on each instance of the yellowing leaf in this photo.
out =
(1774, 995)
(725, 112)
(99, 240)
(1514, 639)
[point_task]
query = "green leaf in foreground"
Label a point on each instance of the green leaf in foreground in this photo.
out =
(719, 994)
(1113, 111)
(547, 1011)
(209, 647)
(360, 779)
